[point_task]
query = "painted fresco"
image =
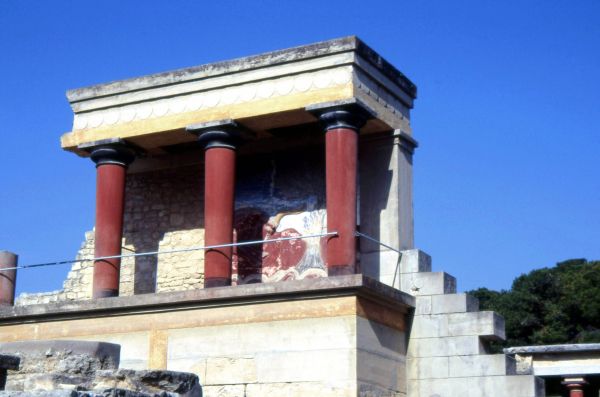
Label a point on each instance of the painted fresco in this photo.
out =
(281, 197)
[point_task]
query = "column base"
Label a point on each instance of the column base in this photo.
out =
(106, 293)
(217, 282)
(343, 270)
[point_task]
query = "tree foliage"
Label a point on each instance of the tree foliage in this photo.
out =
(550, 305)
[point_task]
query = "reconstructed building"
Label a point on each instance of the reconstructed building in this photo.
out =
(254, 226)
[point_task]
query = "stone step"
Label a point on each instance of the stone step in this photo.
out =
(460, 366)
(481, 365)
(445, 346)
(481, 386)
(487, 325)
(415, 261)
(446, 304)
(428, 283)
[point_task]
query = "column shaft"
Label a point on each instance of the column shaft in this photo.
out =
(112, 158)
(110, 195)
(219, 186)
(220, 140)
(8, 278)
(341, 172)
(342, 122)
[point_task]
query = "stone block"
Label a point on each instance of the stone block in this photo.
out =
(503, 386)
(152, 382)
(230, 370)
(429, 326)
(445, 346)
(301, 389)
(381, 371)
(481, 365)
(306, 366)
(427, 368)
(415, 261)
(428, 283)
(453, 303)
(249, 339)
(450, 387)
(376, 338)
(486, 324)
(135, 349)
(369, 390)
(224, 391)
(483, 386)
(423, 305)
(64, 356)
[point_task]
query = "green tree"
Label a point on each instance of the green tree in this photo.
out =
(550, 305)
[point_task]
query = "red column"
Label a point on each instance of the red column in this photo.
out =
(342, 124)
(219, 140)
(8, 278)
(111, 166)
(575, 386)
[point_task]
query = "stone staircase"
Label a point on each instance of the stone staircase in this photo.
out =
(447, 351)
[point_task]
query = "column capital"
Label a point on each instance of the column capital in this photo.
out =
(574, 382)
(349, 114)
(110, 151)
(575, 386)
(218, 134)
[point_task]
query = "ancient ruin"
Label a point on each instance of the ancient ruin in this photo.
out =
(254, 226)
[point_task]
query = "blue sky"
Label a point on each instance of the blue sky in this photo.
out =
(507, 115)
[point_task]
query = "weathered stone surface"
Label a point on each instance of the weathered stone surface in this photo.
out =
(83, 368)
(65, 356)
(151, 382)
(428, 283)
(46, 364)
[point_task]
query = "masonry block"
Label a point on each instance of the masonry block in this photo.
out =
(503, 386)
(453, 303)
(445, 346)
(230, 370)
(428, 283)
(482, 386)
(450, 387)
(423, 305)
(481, 365)
(486, 324)
(429, 326)
(428, 367)
(415, 261)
